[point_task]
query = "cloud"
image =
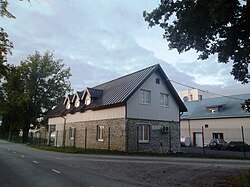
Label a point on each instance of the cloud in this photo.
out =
(104, 39)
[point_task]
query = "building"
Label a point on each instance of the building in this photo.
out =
(220, 117)
(135, 113)
(194, 95)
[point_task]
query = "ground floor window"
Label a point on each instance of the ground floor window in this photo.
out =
(72, 131)
(218, 136)
(100, 133)
(143, 133)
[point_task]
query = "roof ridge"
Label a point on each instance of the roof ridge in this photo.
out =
(153, 66)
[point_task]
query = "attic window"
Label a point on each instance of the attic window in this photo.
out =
(68, 105)
(87, 101)
(77, 104)
(212, 110)
(157, 81)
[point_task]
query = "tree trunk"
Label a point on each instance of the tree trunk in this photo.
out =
(25, 134)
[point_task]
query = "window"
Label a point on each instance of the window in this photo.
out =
(206, 125)
(72, 131)
(77, 103)
(68, 105)
(87, 101)
(143, 133)
(157, 81)
(218, 136)
(100, 133)
(212, 110)
(164, 99)
(145, 97)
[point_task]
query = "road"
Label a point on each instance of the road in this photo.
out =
(21, 165)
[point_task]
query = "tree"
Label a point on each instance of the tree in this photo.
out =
(246, 106)
(41, 83)
(5, 44)
(210, 27)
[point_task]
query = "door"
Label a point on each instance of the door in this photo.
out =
(198, 139)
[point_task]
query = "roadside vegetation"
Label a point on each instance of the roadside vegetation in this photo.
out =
(241, 180)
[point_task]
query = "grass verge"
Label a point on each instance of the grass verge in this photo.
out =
(242, 180)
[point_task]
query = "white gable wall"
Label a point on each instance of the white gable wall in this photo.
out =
(153, 111)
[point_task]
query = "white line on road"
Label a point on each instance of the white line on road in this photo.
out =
(22, 156)
(35, 162)
(56, 171)
(14, 152)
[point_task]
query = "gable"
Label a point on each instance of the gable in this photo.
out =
(154, 109)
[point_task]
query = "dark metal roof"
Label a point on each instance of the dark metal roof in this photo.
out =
(94, 93)
(118, 91)
(229, 107)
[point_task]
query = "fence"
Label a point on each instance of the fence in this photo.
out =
(83, 138)
(39, 137)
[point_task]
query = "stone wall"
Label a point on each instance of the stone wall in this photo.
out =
(158, 141)
(117, 134)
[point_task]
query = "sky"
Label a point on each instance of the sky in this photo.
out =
(104, 39)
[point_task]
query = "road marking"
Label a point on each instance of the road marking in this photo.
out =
(14, 152)
(56, 171)
(35, 162)
(22, 156)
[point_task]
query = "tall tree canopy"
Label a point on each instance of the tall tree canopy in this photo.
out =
(33, 88)
(5, 44)
(210, 27)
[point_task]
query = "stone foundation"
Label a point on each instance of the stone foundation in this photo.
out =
(113, 139)
(158, 141)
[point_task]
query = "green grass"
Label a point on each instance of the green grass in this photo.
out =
(242, 180)
(76, 150)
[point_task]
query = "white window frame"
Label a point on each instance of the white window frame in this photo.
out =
(77, 103)
(165, 100)
(68, 105)
(141, 138)
(100, 133)
(72, 131)
(88, 101)
(143, 97)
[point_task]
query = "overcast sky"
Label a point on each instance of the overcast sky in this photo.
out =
(103, 39)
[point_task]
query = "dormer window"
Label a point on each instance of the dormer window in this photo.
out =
(77, 103)
(214, 109)
(68, 105)
(87, 101)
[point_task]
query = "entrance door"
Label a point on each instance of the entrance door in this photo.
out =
(198, 139)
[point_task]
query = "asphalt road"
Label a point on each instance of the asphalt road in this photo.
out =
(21, 165)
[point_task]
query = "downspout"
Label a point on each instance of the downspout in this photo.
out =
(180, 126)
(126, 127)
(64, 133)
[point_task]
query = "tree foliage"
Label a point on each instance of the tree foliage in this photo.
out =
(5, 44)
(210, 27)
(246, 105)
(32, 89)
